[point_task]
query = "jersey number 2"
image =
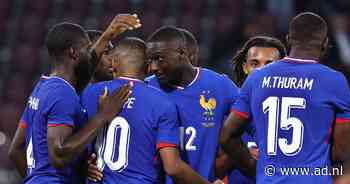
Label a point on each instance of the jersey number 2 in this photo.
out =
(192, 133)
(107, 145)
(281, 119)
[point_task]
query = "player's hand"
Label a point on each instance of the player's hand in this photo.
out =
(254, 152)
(93, 173)
(110, 106)
(218, 182)
(121, 23)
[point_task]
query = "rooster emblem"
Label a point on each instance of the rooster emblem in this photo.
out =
(207, 105)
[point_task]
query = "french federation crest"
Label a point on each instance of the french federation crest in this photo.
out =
(208, 104)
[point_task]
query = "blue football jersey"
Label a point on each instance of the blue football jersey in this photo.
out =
(294, 104)
(202, 107)
(53, 102)
(128, 148)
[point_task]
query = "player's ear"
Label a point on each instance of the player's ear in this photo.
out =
(325, 44)
(192, 59)
(324, 47)
(73, 53)
(183, 56)
(288, 43)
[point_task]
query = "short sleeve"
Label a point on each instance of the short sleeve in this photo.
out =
(64, 109)
(23, 122)
(342, 100)
(242, 105)
(168, 128)
(231, 91)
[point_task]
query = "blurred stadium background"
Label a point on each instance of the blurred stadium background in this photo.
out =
(221, 26)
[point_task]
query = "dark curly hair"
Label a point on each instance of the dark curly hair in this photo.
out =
(257, 41)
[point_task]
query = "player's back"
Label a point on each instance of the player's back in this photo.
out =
(294, 104)
(127, 149)
(202, 107)
(45, 108)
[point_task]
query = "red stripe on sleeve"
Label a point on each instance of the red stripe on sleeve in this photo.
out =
(342, 120)
(22, 124)
(165, 145)
(56, 125)
(240, 114)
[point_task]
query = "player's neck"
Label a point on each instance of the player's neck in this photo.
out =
(308, 54)
(188, 76)
(65, 73)
(133, 75)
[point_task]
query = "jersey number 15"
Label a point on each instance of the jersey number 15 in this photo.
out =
(279, 118)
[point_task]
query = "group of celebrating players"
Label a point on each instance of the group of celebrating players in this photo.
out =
(142, 112)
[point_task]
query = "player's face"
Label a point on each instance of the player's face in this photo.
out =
(258, 57)
(166, 61)
(104, 70)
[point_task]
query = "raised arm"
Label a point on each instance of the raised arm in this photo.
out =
(119, 24)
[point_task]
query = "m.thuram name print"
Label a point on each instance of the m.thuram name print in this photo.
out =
(287, 82)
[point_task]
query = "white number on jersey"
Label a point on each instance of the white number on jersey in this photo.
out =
(284, 122)
(192, 132)
(30, 156)
(106, 145)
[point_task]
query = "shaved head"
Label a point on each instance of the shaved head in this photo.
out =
(191, 46)
(129, 56)
(308, 29)
(169, 34)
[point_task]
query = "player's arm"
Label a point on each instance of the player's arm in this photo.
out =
(17, 150)
(223, 164)
(119, 24)
(63, 145)
(341, 137)
(177, 169)
(231, 143)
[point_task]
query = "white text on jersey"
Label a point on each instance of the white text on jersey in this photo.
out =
(129, 103)
(33, 103)
(287, 82)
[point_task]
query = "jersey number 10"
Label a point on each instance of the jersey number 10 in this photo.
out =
(107, 147)
(279, 118)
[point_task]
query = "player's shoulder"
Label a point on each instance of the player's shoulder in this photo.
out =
(55, 90)
(94, 87)
(59, 88)
(220, 79)
(152, 94)
(327, 70)
(209, 73)
(93, 91)
(331, 75)
(154, 91)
